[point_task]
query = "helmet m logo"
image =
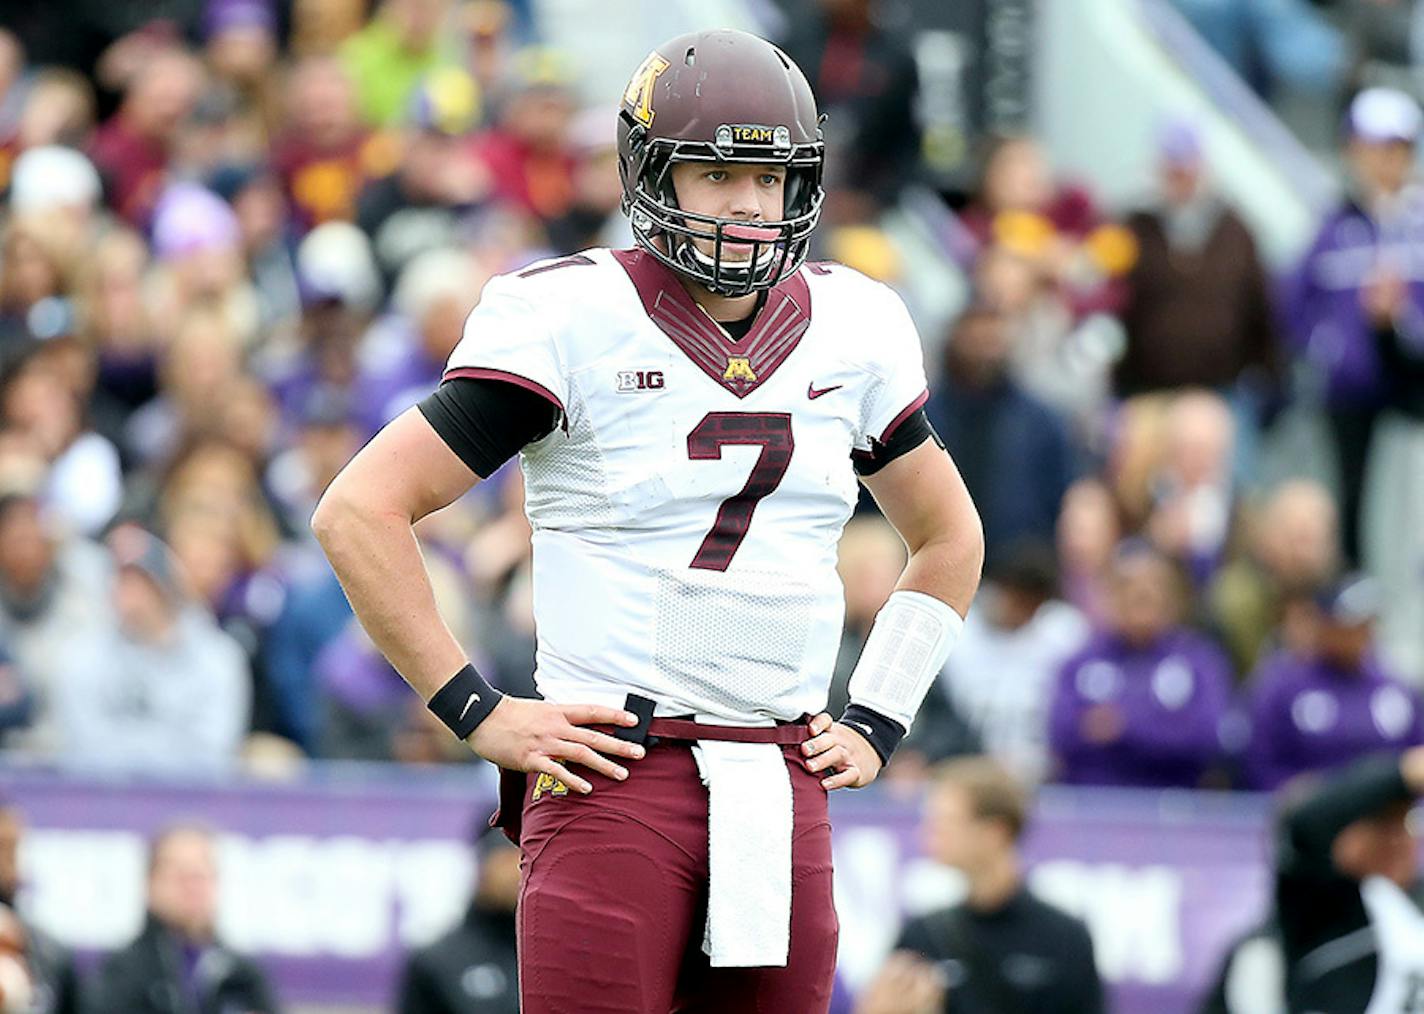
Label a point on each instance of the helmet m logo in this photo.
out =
(639, 93)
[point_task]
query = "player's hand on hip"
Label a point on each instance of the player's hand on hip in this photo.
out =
(539, 736)
(846, 756)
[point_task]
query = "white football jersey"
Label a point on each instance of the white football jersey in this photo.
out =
(687, 512)
(1398, 928)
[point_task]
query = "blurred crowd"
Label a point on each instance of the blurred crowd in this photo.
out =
(238, 240)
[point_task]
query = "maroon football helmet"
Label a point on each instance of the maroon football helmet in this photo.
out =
(720, 96)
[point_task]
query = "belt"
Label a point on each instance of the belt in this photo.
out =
(791, 733)
(649, 729)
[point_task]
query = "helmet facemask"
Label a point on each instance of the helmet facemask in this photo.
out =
(668, 232)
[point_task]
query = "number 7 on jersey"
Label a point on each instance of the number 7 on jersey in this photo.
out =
(771, 431)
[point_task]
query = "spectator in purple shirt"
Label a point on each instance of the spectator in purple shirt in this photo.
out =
(1336, 701)
(1355, 305)
(1142, 704)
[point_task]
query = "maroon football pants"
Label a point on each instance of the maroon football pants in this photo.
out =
(613, 898)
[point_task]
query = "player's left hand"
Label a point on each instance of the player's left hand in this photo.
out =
(843, 753)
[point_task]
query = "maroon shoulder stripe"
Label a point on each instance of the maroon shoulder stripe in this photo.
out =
(905, 413)
(481, 373)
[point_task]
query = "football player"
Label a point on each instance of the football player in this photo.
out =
(691, 417)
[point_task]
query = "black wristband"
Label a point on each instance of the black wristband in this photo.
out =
(464, 702)
(883, 734)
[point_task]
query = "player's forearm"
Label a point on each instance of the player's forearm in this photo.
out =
(377, 560)
(947, 566)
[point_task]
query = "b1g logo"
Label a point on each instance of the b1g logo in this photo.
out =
(640, 380)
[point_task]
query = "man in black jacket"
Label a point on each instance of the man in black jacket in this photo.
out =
(1002, 949)
(1347, 873)
(473, 969)
(177, 966)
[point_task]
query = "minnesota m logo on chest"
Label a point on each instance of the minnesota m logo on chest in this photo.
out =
(739, 368)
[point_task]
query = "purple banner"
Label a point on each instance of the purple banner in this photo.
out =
(330, 879)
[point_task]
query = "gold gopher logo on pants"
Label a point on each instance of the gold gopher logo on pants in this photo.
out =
(549, 784)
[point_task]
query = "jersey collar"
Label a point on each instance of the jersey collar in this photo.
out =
(739, 366)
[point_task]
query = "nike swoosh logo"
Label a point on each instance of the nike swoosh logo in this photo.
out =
(861, 728)
(813, 392)
(474, 699)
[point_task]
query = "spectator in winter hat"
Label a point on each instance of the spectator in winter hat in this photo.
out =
(1320, 708)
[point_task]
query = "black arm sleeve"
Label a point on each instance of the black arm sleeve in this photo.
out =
(487, 422)
(915, 430)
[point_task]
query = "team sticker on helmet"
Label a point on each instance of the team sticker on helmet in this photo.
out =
(729, 135)
(639, 93)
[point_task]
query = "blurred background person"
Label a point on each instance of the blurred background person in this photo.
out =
(37, 273)
(473, 968)
(389, 55)
(254, 191)
(1192, 502)
(1198, 311)
(1089, 528)
(529, 149)
(240, 45)
(133, 147)
(83, 484)
(54, 588)
(435, 292)
(1001, 949)
(1012, 450)
(159, 691)
(1347, 869)
(325, 154)
(593, 216)
(1354, 307)
(1331, 700)
(54, 977)
(177, 962)
(341, 292)
(437, 181)
(1292, 549)
(1061, 360)
(200, 263)
(862, 68)
(1142, 704)
(1002, 675)
(1056, 227)
(59, 109)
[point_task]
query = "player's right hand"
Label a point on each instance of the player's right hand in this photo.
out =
(539, 736)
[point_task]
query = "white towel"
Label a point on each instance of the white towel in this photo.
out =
(749, 821)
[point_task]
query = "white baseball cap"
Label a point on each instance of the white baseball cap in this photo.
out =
(52, 177)
(1382, 115)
